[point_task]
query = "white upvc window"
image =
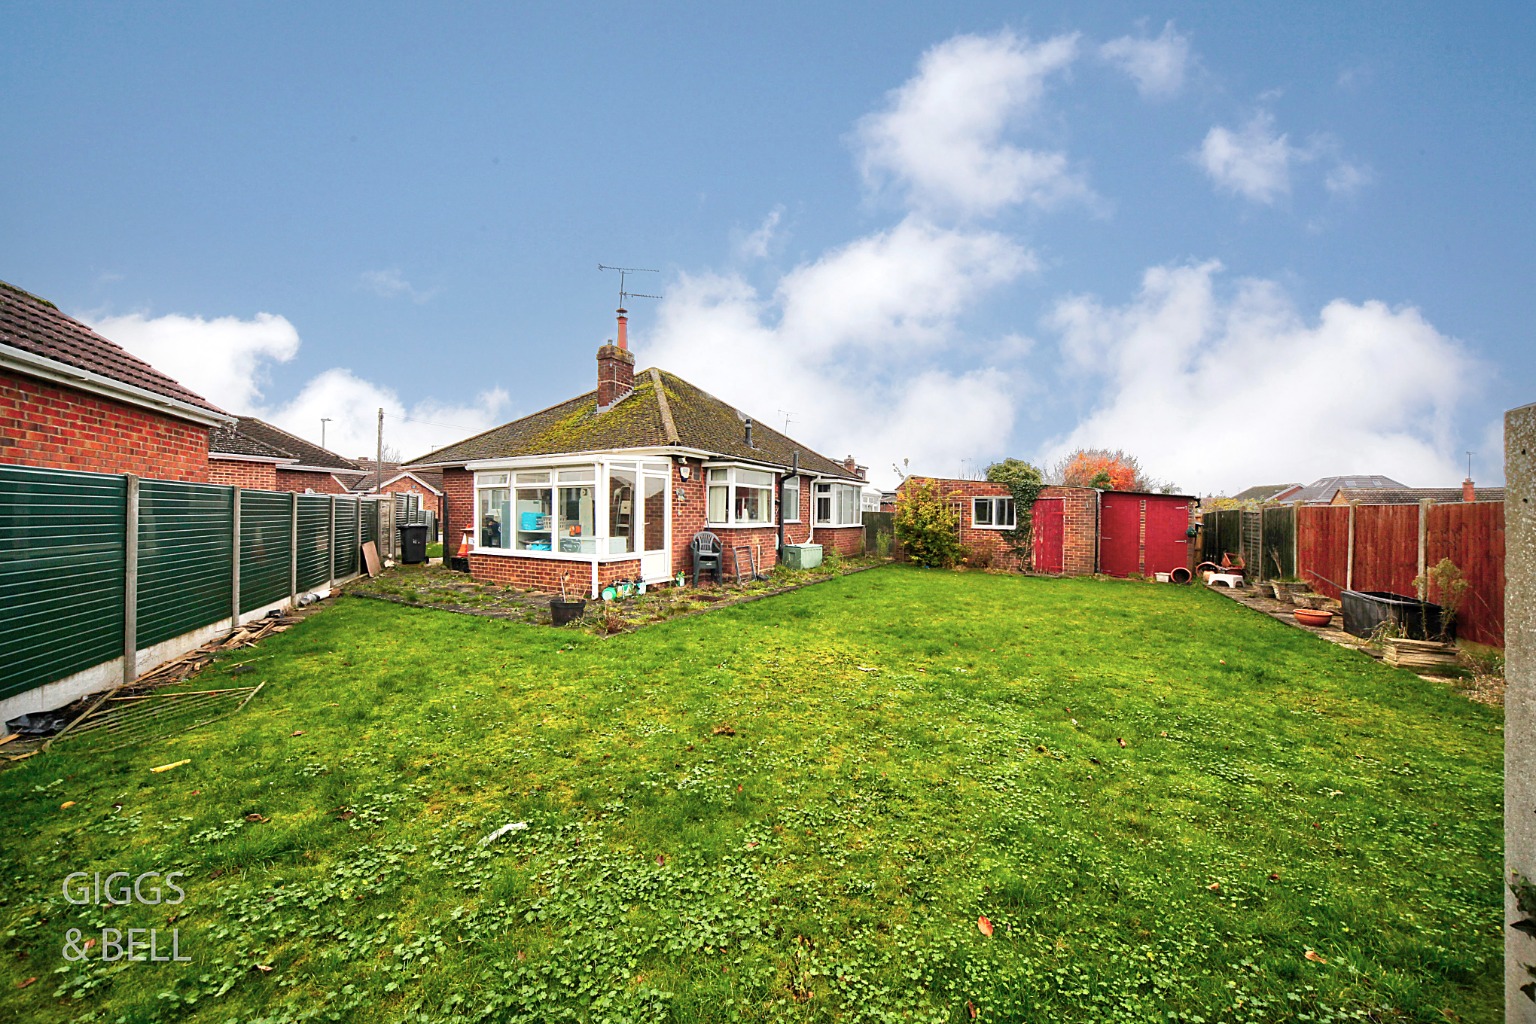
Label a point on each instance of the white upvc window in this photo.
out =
(837, 505)
(543, 510)
(738, 496)
(789, 506)
(992, 513)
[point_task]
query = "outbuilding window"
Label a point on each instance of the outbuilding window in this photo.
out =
(992, 513)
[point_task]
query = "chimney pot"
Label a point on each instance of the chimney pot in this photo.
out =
(623, 329)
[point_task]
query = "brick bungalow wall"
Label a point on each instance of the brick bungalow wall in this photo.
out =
(239, 473)
(1080, 526)
(54, 427)
(301, 481)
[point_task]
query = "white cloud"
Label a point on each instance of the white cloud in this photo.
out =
(1346, 178)
(352, 404)
(855, 345)
(1254, 163)
(940, 139)
(226, 360)
(1157, 65)
(391, 284)
(1220, 391)
(759, 243)
(223, 359)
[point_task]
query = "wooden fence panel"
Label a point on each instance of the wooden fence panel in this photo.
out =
(1472, 536)
(1386, 548)
(1322, 546)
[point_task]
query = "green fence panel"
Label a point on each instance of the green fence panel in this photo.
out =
(186, 557)
(265, 547)
(314, 540)
(1279, 542)
(345, 541)
(370, 522)
(61, 574)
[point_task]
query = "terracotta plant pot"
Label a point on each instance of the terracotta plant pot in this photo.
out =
(1315, 617)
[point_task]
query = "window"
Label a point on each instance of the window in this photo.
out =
(837, 505)
(789, 508)
(992, 513)
(739, 496)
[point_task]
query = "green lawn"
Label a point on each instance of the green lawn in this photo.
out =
(795, 809)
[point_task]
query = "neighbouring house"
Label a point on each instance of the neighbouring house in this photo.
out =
(237, 459)
(426, 484)
(1265, 493)
(71, 399)
(1076, 531)
(615, 483)
(1322, 491)
(296, 464)
(1413, 495)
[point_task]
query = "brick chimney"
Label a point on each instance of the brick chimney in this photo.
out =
(615, 368)
(851, 464)
(1468, 492)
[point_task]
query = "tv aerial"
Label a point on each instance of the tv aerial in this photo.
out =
(624, 273)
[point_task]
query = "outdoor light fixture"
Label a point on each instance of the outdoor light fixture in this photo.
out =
(684, 471)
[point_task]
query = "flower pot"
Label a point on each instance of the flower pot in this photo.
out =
(1314, 617)
(564, 612)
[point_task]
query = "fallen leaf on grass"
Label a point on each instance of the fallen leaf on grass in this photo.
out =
(661, 858)
(721, 730)
(66, 805)
(970, 1008)
(985, 925)
(1316, 958)
(1120, 741)
(263, 968)
(1214, 887)
(297, 732)
(253, 816)
(1274, 876)
(24, 984)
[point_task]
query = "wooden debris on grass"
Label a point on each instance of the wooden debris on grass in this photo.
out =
(193, 662)
(1417, 654)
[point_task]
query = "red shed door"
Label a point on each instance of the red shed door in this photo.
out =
(1120, 534)
(1167, 533)
(1047, 517)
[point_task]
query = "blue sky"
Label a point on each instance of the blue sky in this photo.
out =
(1248, 243)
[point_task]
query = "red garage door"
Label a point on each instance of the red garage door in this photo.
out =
(1047, 519)
(1142, 534)
(1120, 534)
(1167, 540)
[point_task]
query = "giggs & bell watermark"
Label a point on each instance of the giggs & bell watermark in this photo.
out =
(120, 888)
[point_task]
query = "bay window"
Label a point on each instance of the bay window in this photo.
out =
(738, 496)
(837, 505)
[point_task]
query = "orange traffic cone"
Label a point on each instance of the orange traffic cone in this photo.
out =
(467, 544)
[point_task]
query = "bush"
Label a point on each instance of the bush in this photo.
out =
(928, 525)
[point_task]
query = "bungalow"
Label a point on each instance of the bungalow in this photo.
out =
(254, 453)
(70, 399)
(615, 483)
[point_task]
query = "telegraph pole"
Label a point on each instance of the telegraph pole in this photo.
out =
(378, 461)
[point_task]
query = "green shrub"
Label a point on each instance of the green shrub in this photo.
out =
(928, 525)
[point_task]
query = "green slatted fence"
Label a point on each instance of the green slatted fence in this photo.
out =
(265, 547)
(186, 545)
(314, 540)
(64, 549)
(61, 574)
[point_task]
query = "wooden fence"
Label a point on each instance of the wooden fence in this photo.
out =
(1384, 547)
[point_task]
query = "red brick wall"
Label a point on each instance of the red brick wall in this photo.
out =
(544, 574)
(239, 473)
(459, 511)
(55, 427)
(301, 481)
(1080, 526)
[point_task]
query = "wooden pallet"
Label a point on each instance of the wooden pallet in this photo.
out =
(1418, 654)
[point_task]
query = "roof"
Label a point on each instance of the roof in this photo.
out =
(1263, 492)
(230, 441)
(663, 411)
(35, 326)
(433, 478)
(1414, 495)
(1323, 489)
(310, 456)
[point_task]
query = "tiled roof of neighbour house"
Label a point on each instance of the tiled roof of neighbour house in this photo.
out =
(309, 455)
(433, 478)
(663, 411)
(1414, 495)
(1324, 489)
(36, 326)
(1263, 492)
(230, 441)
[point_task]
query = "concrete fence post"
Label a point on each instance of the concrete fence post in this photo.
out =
(293, 551)
(1349, 564)
(330, 542)
(234, 574)
(1519, 700)
(131, 580)
(1424, 504)
(358, 505)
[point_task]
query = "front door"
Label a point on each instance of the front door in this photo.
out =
(655, 515)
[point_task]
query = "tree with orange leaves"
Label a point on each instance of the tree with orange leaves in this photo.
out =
(1106, 470)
